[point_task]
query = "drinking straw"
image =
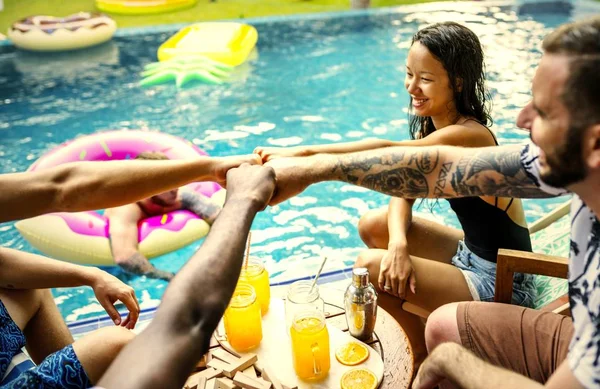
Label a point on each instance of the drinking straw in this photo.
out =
(247, 250)
(318, 274)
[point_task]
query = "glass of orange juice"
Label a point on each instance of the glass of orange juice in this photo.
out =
(310, 345)
(255, 274)
(242, 319)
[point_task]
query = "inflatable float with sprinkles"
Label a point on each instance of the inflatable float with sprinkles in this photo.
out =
(49, 33)
(82, 237)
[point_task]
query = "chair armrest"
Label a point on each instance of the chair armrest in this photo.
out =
(513, 261)
(560, 305)
(550, 218)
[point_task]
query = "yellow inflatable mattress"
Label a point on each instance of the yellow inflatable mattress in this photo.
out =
(143, 7)
(226, 42)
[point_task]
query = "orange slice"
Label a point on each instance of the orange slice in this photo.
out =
(352, 353)
(359, 378)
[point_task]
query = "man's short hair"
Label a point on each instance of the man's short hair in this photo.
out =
(581, 42)
(152, 156)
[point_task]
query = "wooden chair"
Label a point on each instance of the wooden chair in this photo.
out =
(513, 261)
(541, 264)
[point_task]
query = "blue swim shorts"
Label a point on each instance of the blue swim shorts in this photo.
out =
(61, 369)
(480, 275)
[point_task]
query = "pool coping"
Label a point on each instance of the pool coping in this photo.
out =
(400, 9)
(82, 326)
(350, 13)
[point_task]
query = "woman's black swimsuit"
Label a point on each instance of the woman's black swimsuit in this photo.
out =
(488, 228)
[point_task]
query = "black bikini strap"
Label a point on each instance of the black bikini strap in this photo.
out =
(486, 127)
(496, 202)
(509, 204)
(492, 134)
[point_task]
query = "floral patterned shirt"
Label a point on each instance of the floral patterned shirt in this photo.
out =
(584, 279)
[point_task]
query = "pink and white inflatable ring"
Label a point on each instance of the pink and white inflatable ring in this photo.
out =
(82, 237)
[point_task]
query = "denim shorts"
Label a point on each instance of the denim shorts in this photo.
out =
(480, 275)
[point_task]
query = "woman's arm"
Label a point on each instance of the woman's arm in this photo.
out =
(455, 135)
(269, 153)
(399, 221)
(347, 147)
(396, 267)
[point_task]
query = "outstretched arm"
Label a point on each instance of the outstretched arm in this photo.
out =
(94, 185)
(268, 153)
(414, 172)
(167, 351)
(454, 135)
(123, 232)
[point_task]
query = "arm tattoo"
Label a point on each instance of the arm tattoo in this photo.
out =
(420, 173)
(495, 173)
(438, 191)
(138, 264)
(395, 173)
(411, 181)
(201, 206)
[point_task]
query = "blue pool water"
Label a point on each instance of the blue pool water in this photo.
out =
(312, 80)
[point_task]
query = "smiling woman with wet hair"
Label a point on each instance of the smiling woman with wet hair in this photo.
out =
(423, 262)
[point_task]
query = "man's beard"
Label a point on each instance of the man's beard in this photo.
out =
(566, 166)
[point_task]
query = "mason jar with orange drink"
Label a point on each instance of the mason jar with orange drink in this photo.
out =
(254, 273)
(242, 319)
(310, 345)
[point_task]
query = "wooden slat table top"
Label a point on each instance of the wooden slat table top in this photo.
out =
(389, 340)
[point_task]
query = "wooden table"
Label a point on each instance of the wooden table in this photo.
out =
(389, 340)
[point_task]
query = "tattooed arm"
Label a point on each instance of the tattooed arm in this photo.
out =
(123, 232)
(414, 172)
(200, 205)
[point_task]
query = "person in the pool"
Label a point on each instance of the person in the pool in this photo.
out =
(123, 222)
(436, 263)
(29, 316)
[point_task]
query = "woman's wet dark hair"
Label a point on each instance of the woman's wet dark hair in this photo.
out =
(459, 51)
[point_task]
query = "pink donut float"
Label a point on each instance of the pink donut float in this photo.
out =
(49, 33)
(82, 237)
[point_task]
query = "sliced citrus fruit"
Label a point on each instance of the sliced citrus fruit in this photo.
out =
(352, 353)
(359, 378)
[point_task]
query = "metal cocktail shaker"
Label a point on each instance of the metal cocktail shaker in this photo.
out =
(360, 302)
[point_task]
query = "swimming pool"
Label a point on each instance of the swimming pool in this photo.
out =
(314, 79)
